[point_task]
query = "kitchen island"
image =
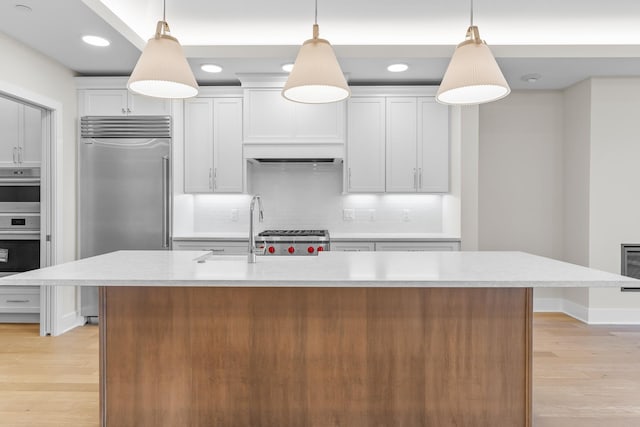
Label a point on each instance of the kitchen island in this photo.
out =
(341, 339)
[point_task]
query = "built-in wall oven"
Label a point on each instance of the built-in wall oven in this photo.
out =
(19, 220)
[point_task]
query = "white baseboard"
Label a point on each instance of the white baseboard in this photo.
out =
(614, 316)
(67, 322)
(577, 311)
(546, 305)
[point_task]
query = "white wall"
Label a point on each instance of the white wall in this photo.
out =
(521, 178)
(577, 147)
(614, 192)
(35, 73)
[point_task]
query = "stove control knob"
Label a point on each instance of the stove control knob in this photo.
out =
(291, 249)
(320, 249)
(310, 249)
(271, 249)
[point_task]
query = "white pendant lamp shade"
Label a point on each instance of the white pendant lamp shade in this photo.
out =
(316, 77)
(162, 70)
(473, 75)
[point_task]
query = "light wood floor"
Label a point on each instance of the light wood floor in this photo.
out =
(584, 376)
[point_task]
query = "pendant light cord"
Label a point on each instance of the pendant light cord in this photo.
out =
(471, 13)
(315, 20)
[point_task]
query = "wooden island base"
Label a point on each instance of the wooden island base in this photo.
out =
(307, 357)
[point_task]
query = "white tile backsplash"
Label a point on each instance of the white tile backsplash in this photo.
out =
(309, 197)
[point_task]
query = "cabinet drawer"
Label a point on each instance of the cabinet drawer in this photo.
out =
(352, 246)
(418, 246)
(216, 246)
(19, 300)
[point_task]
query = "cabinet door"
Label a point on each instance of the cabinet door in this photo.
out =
(140, 105)
(198, 145)
(218, 247)
(418, 246)
(10, 130)
(268, 117)
(352, 246)
(365, 145)
(103, 102)
(31, 148)
(433, 146)
(324, 123)
(401, 144)
(227, 145)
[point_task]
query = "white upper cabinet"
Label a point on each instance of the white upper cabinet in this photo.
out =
(213, 145)
(21, 130)
(403, 138)
(401, 144)
(270, 118)
(198, 145)
(365, 162)
(227, 145)
(10, 131)
(30, 149)
(433, 146)
(121, 102)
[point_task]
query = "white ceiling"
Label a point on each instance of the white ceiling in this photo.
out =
(563, 41)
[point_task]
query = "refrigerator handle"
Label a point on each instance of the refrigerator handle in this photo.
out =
(166, 217)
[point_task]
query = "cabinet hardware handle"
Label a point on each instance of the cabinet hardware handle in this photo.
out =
(420, 175)
(215, 178)
(124, 111)
(20, 156)
(20, 301)
(129, 110)
(349, 180)
(210, 178)
(15, 150)
(216, 250)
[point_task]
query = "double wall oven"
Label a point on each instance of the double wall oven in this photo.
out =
(19, 220)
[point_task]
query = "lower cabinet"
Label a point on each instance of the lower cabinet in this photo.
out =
(356, 246)
(220, 247)
(19, 304)
(418, 246)
(353, 246)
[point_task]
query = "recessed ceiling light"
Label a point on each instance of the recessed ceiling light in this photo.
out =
(96, 41)
(23, 8)
(531, 78)
(211, 68)
(287, 67)
(397, 68)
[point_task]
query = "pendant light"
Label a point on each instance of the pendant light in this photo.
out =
(162, 70)
(473, 75)
(316, 77)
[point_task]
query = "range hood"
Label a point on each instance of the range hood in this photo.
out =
(314, 161)
(294, 153)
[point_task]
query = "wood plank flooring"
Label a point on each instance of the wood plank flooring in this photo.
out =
(584, 376)
(587, 376)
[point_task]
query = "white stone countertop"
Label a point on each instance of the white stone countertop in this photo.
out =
(329, 269)
(396, 237)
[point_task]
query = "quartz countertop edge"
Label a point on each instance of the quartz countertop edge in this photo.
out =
(330, 269)
(337, 237)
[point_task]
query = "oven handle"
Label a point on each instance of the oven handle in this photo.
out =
(19, 181)
(19, 234)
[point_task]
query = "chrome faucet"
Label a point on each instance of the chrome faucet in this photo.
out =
(252, 239)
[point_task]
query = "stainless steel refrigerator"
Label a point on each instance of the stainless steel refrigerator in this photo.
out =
(124, 182)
